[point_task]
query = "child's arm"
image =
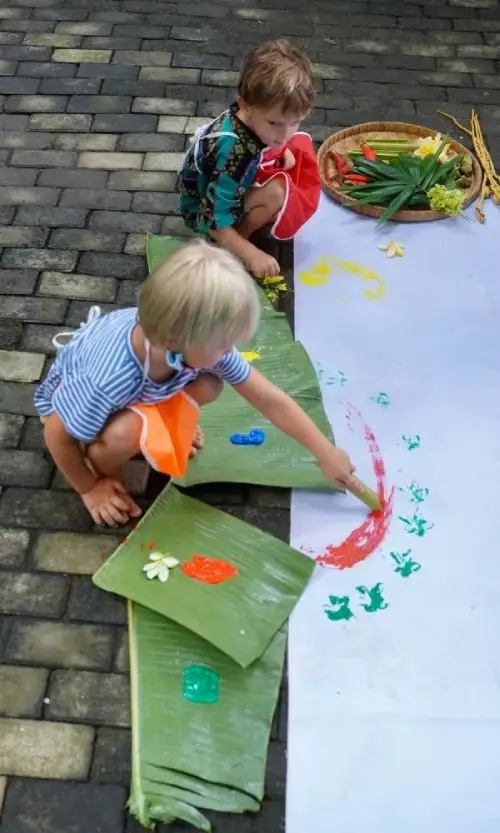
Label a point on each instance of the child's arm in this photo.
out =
(106, 498)
(256, 261)
(289, 417)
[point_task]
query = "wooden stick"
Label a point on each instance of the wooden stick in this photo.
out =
(363, 492)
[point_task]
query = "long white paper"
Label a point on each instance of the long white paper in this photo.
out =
(394, 716)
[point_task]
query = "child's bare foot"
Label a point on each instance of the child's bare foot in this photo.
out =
(198, 441)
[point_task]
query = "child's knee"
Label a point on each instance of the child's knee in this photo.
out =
(123, 431)
(206, 389)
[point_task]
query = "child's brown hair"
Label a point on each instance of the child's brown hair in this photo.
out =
(278, 73)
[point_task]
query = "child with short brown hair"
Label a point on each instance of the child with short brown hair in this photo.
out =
(219, 194)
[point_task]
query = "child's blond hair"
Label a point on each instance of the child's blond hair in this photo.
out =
(199, 295)
(278, 73)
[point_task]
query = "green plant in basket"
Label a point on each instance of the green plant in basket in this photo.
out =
(407, 181)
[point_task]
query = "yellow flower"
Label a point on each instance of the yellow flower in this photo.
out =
(428, 145)
(391, 248)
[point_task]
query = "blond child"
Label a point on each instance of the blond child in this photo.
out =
(133, 380)
(219, 198)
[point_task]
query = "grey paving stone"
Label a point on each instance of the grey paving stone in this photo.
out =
(78, 286)
(37, 69)
(24, 468)
(58, 122)
(26, 594)
(42, 509)
(14, 543)
(60, 645)
(99, 104)
(86, 240)
(73, 179)
(111, 764)
(61, 807)
(142, 142)
(125, 221)
(16, 399)
(17, 281)
(70, 86)
(33, 309)
(10, 334)
(89, 604)
(96, 198)
(31, 215)
(89, 697)
(124, 123)
(15, 195)
(38, 338)
(113, 266)
(22, 691)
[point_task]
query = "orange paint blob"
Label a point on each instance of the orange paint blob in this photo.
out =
(368, 537)
(209, 570)
(152, 546)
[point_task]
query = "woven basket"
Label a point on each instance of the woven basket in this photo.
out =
(352, 137)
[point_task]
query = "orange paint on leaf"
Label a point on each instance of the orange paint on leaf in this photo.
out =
(152, 546)
(209, 570)
(368, 537)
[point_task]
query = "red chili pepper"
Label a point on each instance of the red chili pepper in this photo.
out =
(369, 153)
(342, 166)
(359, 179)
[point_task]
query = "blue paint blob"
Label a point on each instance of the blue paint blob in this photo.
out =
(255, 437)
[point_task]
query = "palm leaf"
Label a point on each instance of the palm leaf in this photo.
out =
(397, 203)
(381, 171)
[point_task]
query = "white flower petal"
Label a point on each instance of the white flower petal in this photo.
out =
(153, 570)
(163, 573)
(171, 562)
(156, 556)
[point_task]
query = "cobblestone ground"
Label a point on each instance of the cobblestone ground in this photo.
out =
(97, 100)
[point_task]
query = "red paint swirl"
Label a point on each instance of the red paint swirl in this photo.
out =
(208, 570)
(364, 540)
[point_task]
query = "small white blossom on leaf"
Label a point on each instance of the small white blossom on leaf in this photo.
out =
(392, 248)
(159, 566)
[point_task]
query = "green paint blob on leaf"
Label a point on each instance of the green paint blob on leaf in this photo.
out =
(200, 685)
(405, 565)
(372, 599)
(339, 609)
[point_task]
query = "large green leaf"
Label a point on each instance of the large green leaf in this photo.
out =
(239, 616)
(188, 755)
(279, 461)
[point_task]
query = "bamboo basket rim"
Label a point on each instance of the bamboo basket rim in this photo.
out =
(349, 137)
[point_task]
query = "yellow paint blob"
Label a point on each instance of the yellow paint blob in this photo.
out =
(251, 355)
(319, 275)
(325, 267)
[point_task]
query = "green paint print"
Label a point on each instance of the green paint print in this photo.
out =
(405, 565)
(411, 442)
(416, 525)
(339, 608)
(382, 399)
(372, 599)
(200, 685)
(417, 493)
(337, 379)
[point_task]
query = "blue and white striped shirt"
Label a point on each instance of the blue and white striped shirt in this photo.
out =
(98, 374)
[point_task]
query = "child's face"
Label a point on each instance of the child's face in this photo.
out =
(273, 127)
(198, 357)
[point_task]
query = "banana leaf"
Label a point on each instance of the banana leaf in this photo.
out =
(239, 616)
(187, 757)
(279, 461)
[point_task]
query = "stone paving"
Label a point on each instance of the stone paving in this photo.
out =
(97, 101)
